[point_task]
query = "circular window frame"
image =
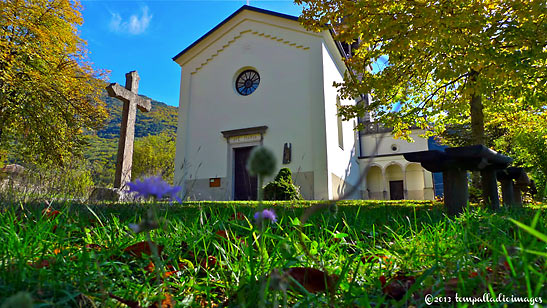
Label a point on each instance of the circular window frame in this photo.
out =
(246, 89)
(394, 147)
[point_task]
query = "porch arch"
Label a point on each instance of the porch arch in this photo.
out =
(375, 183)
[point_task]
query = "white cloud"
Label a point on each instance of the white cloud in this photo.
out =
(136, 24)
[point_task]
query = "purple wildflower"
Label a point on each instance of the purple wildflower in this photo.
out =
(265, 214)
(154, 186)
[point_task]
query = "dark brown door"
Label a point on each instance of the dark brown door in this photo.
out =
(396, 190)
(245, 185)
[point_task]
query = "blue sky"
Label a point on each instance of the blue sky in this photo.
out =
(144, 35)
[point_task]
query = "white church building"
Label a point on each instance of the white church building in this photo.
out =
(260, 78)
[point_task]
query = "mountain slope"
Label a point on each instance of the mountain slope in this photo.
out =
(159, 119)
(103, 144)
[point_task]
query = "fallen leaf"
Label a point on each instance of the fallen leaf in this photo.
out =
(150, 267)
(208, 262)
(237, 216)
(383, 280)
(169, 269)
(397, 286)
(222, 233)
(313, 280)
(50, 213)
(506, 266)
(141, 248)
(167, 302)
(43, 263)
(95, 247)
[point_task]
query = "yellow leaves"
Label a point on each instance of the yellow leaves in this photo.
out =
(433, 43)
(43, 67)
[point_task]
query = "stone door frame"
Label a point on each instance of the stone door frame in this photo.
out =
(240, 138)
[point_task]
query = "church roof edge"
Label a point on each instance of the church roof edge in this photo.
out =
(245, 7)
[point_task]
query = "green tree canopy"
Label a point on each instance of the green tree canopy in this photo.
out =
(449, 62)
(154, 155)
(49, 93)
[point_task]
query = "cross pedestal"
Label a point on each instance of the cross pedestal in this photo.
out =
(131, 101)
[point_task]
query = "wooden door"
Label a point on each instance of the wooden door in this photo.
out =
(396, 190)
(245, 185)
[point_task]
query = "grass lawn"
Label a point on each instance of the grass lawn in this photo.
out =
(357, 254)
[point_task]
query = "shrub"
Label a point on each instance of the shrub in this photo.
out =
(49, 182)
(282, 188)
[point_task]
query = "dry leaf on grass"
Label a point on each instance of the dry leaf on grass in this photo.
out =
(313, 280)
(237, 216)
(397, 286)
(138, 249)
(43, 263)
(50, 213)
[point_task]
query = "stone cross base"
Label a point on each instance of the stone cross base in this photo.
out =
(103, 194)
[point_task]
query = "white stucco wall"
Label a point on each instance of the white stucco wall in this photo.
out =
(386, 140)
(288, 99)
(413, 175)
(342, 161)
(418, 182)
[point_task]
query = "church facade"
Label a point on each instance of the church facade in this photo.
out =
(260, 78)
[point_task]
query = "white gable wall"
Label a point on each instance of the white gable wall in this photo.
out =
(289, 102)
(295, 100)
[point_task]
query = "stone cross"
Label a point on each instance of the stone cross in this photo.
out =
(131, 101)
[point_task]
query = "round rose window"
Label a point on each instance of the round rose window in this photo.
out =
(247, 82)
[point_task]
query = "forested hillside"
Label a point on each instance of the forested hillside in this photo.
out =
(161, 118)
(103, 144)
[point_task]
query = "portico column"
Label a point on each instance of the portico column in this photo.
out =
(384, 181)
(405, 186)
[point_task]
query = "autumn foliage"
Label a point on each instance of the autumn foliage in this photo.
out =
(49, 92)
(434, 64)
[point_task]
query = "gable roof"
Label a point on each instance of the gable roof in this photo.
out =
(241, 9)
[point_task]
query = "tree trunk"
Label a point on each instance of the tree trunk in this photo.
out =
(477, 119)
(477, 137)
(477, 116)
